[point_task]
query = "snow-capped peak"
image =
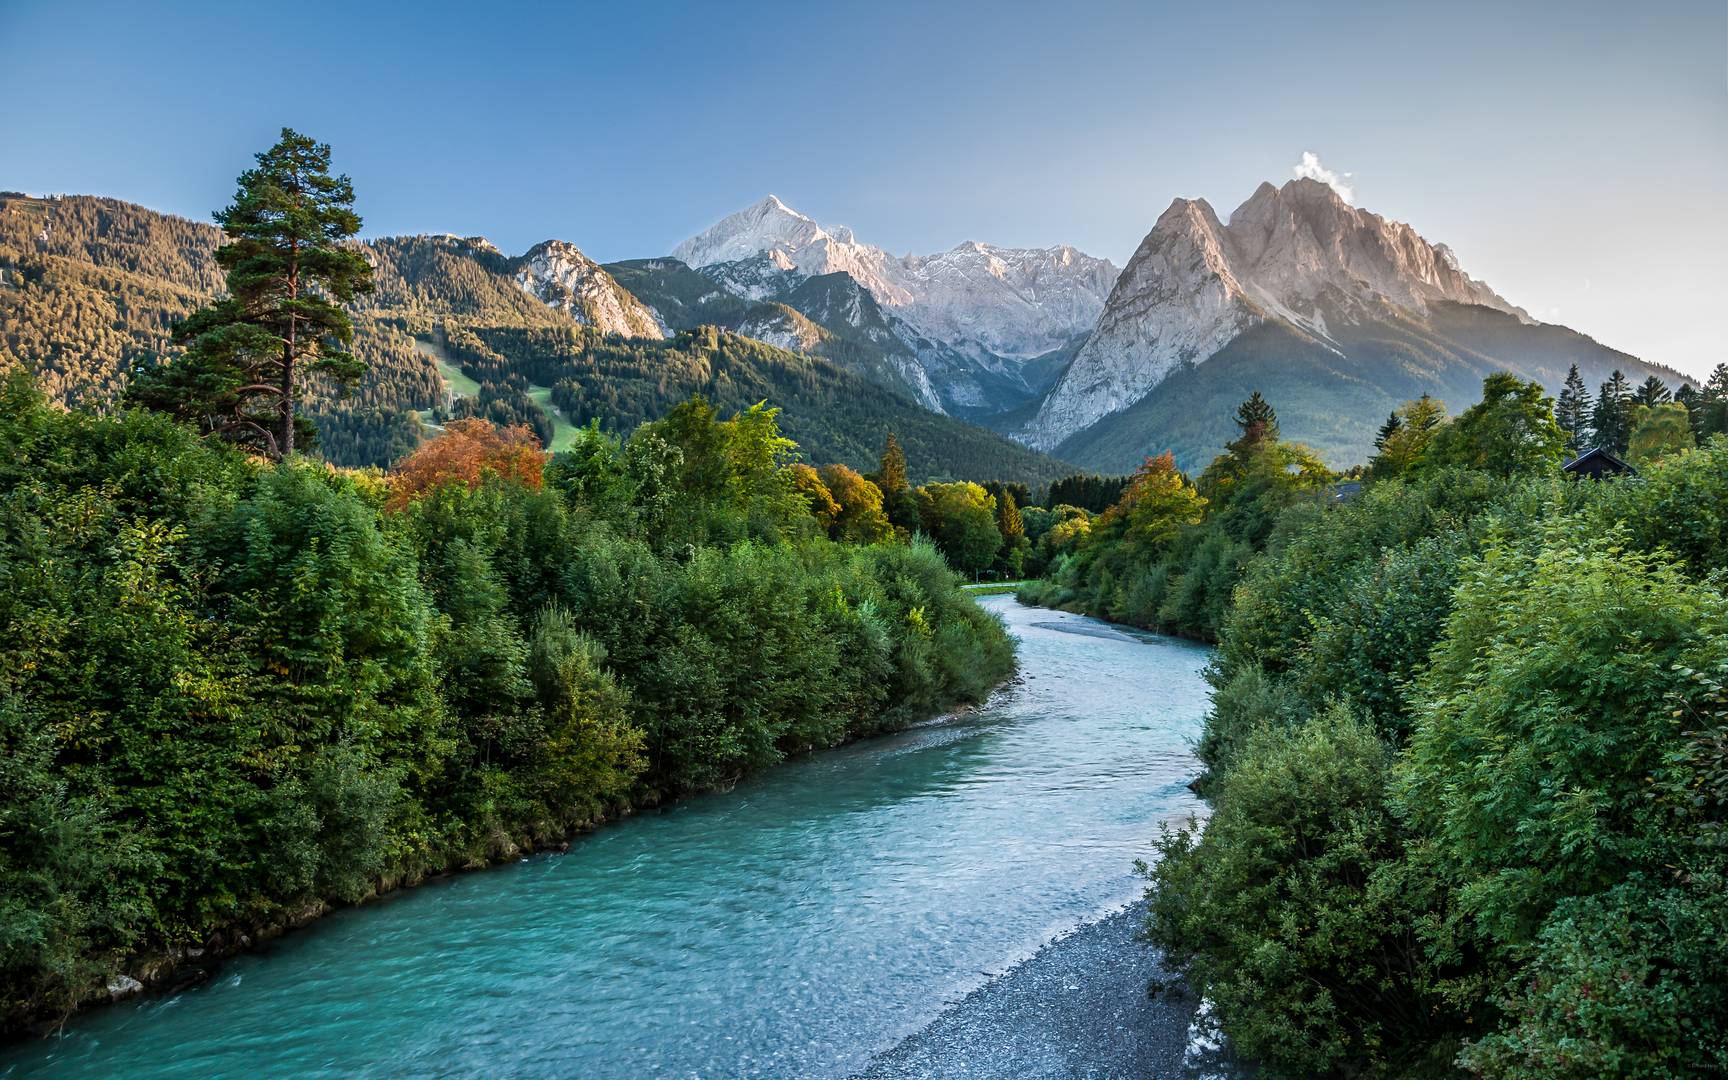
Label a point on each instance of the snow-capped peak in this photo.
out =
(768, 225)
(1012, 302)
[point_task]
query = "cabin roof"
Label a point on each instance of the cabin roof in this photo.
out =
(1596, 461)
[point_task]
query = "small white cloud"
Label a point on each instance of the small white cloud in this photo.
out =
(1309, 168)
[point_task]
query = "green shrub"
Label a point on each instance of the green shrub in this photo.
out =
(1293, 911)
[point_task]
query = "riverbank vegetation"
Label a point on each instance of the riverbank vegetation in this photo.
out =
(235, 687)
(1468, 750)
(241, 683)
(1167, 552)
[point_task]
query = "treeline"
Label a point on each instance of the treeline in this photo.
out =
(834, 414)
(236, 690)
(1467, 757)
(1166, 553)
(1636, 421)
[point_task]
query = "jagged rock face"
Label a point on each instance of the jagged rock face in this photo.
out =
(1013, 303)
(1177, 302)
(782, 328)
(560, 276)
(1297, 254)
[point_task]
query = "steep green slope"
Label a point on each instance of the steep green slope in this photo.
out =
(683, 298)
(1333, 398)
(834, 414)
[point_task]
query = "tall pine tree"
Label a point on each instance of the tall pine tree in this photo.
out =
(1389, 430)
(898, 501)
(891, 471)
(250, 355)
(1257, 419)
(1652, 392)
(1572, 410)
(1713, 404)
(1611, 419)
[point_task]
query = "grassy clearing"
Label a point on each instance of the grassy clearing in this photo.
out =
(563, 432)
(456, 381)
(993, 588)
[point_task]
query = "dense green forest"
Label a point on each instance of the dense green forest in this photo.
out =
(1468, 748)
(834, 414)
(237, 690)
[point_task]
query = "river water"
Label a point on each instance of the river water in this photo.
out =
(793, 927)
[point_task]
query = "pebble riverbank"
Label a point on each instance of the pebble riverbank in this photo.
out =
(1077, 1008)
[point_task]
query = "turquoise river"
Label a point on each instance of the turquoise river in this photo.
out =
(793, 927)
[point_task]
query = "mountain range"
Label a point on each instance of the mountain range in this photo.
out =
(90, 287)
(1335, 314)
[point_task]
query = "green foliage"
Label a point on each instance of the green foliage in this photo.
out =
(961, 518)
(1611, 419)
(235, 689)
(1291, 911)
(1511, 430)
(1409, 430)
(1572, 411)
(1167, 554)
(1092, 493)
(1625, 982)
(1657, 431)
(1545, 721)
(1535, 669)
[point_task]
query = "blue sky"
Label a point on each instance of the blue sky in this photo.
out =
(1575, 155)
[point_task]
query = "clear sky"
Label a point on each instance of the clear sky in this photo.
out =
(1573, 154)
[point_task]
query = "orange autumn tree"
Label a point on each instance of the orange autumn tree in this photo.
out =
(1158, 501)
(467, 452)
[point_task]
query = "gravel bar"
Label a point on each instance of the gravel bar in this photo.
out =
(1077, 1008)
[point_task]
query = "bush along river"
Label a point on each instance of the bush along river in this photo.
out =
(848, 913)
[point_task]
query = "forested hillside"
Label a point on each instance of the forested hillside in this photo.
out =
(92, 287)
(1325, 392)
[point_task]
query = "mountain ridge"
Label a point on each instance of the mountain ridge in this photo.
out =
(1362, 300)
(1001, 306)
(90, 286)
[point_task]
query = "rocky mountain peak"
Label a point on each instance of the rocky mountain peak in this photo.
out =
(1009, 303)
(558, 274)
(1297, 254)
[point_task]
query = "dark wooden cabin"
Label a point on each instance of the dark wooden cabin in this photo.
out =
(1597, 463)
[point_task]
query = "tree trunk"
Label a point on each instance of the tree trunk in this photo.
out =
(285, 445)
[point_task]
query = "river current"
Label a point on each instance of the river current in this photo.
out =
(792, 927)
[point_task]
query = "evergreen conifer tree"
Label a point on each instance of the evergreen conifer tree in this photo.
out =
(1611, 419)
(1572, 410)
(1388, 430)
(1257, 419)
(250, 355)
(1653, 392)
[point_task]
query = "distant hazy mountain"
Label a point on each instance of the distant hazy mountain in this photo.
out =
(1335, 314)
(974, 320)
